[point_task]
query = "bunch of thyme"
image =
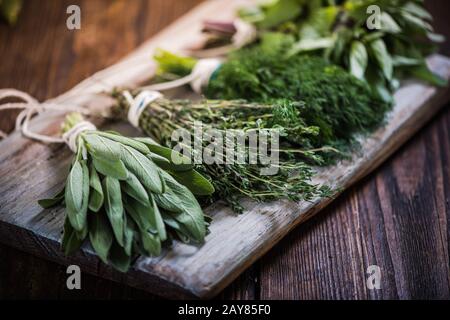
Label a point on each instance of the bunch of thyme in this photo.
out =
(232, 181)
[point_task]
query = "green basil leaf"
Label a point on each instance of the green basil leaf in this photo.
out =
(74, 193)
(399, 61)
(280, 11)
(51, 202)
(144, 169)
(114, 207)
(100, 147)
(195, 182)
(358, 59)
(135, 189)
(70, 242)
(133, 143)
(96, 195)
(388, 24)
(417, 22)
(118, 258)
(417, 10)
(383, 58)
(114, 169)
(434, 37)
(423, 73)
(100, 235)
(311, 45)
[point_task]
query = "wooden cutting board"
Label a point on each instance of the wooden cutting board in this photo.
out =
(31, 170)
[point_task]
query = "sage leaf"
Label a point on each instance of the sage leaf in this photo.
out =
(133, 143)
(114, 207)
(142, 215)
(159, 222)
(100, 235)
(192, 215)
(96, 194)
(195, 182)
(113, 168)
(135, 189)
(183, 237)
(358, 59)
(74, 193)
(157, 159)
(70, 242)
(101, 147)
(178, 161)
(151, 244)
(118, 258)
(169, 201)
(144, 169)
(51, 202)
(128, 237)
(81, 235)
(383, 58)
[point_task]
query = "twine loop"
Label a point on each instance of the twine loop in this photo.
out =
(71, 136)
(30, 107)
(138, 104)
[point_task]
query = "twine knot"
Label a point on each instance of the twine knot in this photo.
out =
(138, 104)
(30, 107)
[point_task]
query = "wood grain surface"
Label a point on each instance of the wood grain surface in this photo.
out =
(397, 218)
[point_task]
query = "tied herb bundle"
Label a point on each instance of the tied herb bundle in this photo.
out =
(325, 95)
(378, 41)
(124, 195)
(234, 180)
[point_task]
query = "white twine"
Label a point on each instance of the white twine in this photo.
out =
(198, 78)
(30, 107)
(71, 137)
(138, 104)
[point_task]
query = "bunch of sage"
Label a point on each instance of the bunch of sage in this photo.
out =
(128, 196)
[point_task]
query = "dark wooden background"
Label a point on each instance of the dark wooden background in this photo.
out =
(397, 218)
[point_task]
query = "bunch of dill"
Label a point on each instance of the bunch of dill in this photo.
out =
(328, 97)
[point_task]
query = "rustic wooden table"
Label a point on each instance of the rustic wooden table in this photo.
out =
(397, 218)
